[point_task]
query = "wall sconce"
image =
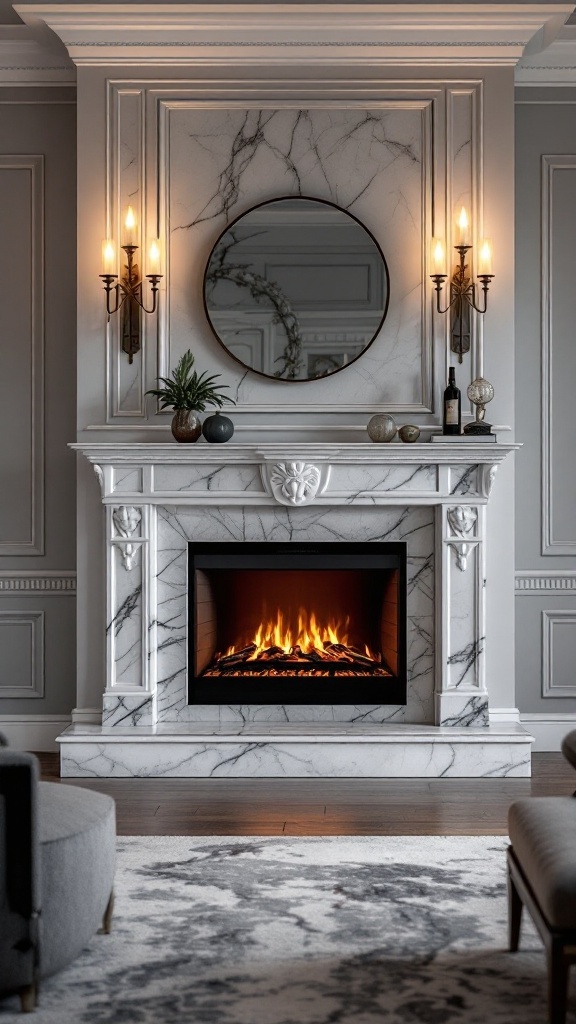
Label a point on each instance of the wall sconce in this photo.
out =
(462, 287)
(128, 290)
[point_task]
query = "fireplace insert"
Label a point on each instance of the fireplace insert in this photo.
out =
(297, 623)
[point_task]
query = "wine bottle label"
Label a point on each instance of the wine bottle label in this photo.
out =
(451, 413)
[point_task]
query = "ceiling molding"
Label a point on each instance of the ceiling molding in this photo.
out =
(554, 66)
(395, 34)
(33, 55)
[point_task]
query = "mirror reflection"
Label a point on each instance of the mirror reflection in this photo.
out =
(296, 289)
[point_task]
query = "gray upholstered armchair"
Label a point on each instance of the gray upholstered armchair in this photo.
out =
(57, 858)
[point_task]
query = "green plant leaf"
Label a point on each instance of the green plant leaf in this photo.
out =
(185, 389)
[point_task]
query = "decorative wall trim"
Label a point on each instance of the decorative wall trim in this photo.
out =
(34, 165)
(533, 583)
(280, 95)
(556, 65)
(415, 33)
(550, 545)
(504, 715)
(548, 729)
(33, 732)
(32, 583)
(550, 620)
(86, 716)
(126, 183)
(31, 56)
(35, 621)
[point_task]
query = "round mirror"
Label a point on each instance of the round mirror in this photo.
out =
(296, 289)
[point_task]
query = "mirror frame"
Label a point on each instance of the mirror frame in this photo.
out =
(259, 206)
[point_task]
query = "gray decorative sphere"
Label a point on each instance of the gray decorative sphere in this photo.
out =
(409, 433)
(217, 428)
(381, 428)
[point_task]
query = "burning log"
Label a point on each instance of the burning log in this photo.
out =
(237, 657)
(348, 654)
(271, 653)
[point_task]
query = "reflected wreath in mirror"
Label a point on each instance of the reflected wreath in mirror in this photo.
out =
(296, 289)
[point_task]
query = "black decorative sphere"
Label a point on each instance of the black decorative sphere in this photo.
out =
(217, 428)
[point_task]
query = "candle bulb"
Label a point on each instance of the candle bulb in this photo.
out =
(108, 257)
(437, 257)
(485, 257)
(130, 227)
(154, 257)
(462, 228)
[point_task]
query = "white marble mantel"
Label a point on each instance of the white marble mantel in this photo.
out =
(158, 497)
(396, 473)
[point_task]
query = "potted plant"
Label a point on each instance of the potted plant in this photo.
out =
(188, 394)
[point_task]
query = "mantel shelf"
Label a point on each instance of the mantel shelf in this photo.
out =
(117, 453)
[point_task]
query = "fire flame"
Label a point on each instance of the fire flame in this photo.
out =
(309, 635)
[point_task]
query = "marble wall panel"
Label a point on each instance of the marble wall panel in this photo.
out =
(207, 478)
(177, 525)
(355, 480)
(124, 630)
(370, 162)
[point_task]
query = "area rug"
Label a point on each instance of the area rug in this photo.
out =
(363, 930)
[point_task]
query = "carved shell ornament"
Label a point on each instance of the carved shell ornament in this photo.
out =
(126, 520)
(462, 520)
(297, 482)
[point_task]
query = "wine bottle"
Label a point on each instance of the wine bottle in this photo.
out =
(451, 423)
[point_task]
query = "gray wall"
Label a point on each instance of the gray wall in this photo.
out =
(546, 401)
(37, 401)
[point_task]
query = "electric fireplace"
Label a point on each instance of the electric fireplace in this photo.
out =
(314, 623)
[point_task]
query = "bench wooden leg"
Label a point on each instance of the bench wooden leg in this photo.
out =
(558, 973)
(515, 907)
(107, 919)
(28, 998)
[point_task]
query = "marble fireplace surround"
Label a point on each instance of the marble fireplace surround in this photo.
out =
(158, 497)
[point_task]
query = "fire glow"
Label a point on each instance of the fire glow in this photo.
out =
(310, 648)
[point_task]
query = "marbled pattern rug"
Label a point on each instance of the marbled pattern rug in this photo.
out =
(359, 930)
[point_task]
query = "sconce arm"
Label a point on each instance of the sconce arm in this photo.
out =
(485, 283)
(117, 289)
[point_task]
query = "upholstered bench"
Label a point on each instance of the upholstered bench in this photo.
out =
(57, 859)
(542, 877)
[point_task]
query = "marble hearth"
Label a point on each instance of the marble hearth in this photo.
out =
(158, 497)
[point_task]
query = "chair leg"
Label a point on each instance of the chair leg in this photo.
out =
(515, 907)
(558, 971)
(28, 998)
(107, 919)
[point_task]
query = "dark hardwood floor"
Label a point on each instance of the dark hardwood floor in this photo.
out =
(318, 807)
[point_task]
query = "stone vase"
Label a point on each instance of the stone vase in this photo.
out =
(218, 428)
(186, 426)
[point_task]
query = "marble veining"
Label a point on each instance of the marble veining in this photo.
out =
(198, 757)
(473, 711)
(369, 162)
(178, 525)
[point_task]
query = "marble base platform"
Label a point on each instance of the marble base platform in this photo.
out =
(303, 750)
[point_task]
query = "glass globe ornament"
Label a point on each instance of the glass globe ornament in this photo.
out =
(480, 392)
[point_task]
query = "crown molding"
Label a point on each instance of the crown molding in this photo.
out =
(554, 66)
(395, 34)
(33, 55)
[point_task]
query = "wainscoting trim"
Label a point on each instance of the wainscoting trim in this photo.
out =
(35, 620)
(33, 732)
(28, 584)
(548, 729)
(533, 582)
(34, 164)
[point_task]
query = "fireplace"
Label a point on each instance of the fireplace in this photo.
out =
(315, 623)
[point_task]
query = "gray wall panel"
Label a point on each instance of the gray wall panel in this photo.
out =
(38, 381)
(545, 388)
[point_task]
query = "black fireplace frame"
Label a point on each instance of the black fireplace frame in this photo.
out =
(375, 690)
